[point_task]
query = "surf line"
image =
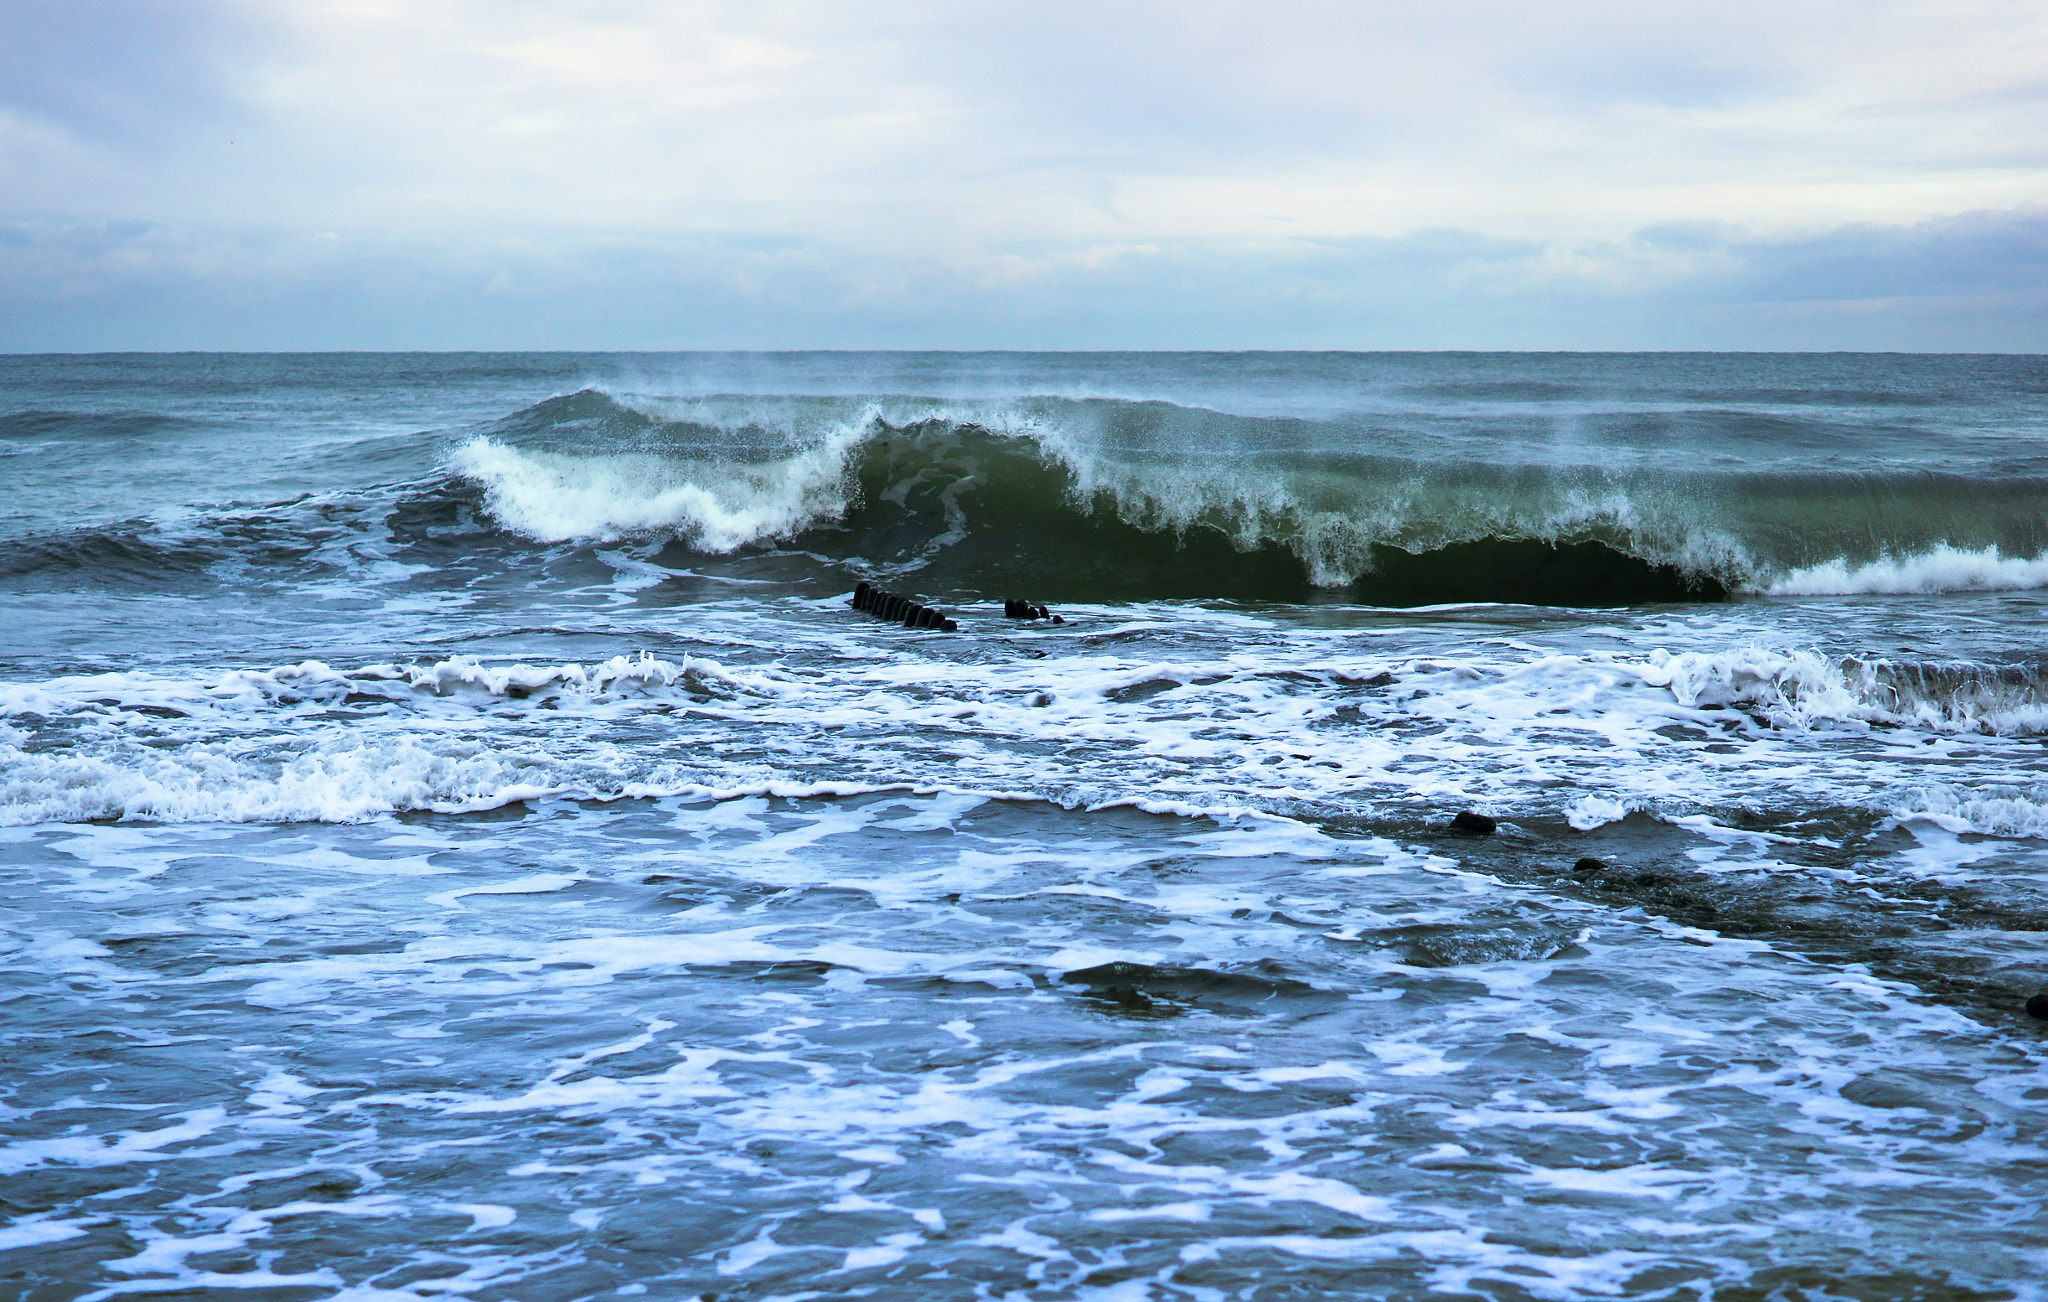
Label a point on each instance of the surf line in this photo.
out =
(911, 614)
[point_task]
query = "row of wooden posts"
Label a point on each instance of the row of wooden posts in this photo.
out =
(911, 614)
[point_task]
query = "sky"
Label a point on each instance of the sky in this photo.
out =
(629, 174)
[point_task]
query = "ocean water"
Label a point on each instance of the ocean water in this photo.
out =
(459, 842)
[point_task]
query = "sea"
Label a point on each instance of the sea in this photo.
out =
(461, 840)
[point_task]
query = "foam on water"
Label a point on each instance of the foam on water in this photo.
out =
(556, 497)
(1991, 811)
(528, 878)
(932, 1046)
(1246, 714)
(1940, 569)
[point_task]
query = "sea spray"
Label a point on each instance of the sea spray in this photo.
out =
(962, 500)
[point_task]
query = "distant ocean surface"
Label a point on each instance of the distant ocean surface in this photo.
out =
(460, 843)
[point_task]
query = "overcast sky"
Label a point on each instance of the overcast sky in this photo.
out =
(908, 173)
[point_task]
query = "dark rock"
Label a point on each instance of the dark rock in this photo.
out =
(860, 595)
(1057, 619)
(1589, 865)
(1431, 945)
(912, 612)
(1141, 987)
(2038, 1006)
(951, 626)
(1474, 824)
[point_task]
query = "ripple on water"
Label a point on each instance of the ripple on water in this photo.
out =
(940, 1046)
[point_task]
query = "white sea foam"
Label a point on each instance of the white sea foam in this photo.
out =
(1589, 812)
(1991, 811)
(716, 507)
(1793, 687)
(620, 674)
(1805, 689)
(544, 1013)
(201, 783)
(1235, 733)
(1939, 569)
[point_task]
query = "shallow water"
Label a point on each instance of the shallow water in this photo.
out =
(941, 1046)
(403, 906)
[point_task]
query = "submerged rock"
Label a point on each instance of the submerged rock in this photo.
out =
(1165, 989)
(1472, 824)
(2038, 1006)
(1590, 865)
(1431, 945)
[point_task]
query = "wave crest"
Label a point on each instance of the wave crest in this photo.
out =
(563, 497)
(1804, 689)
(1013, 498)
(1998, 811)
(1081, 499)
(1939, 569)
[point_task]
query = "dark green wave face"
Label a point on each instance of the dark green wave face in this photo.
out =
(1098, 499)
(976, 514)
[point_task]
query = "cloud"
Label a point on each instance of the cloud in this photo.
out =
(1978, 282)
(107, 70)
(1999, 253)
(628, 173)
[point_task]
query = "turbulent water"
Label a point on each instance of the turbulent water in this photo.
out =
(460, 842)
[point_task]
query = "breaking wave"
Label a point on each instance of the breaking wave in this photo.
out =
(1940, 569)
(1996, 811)
(1805, 689)
(1078, 500)
(1119, 500)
